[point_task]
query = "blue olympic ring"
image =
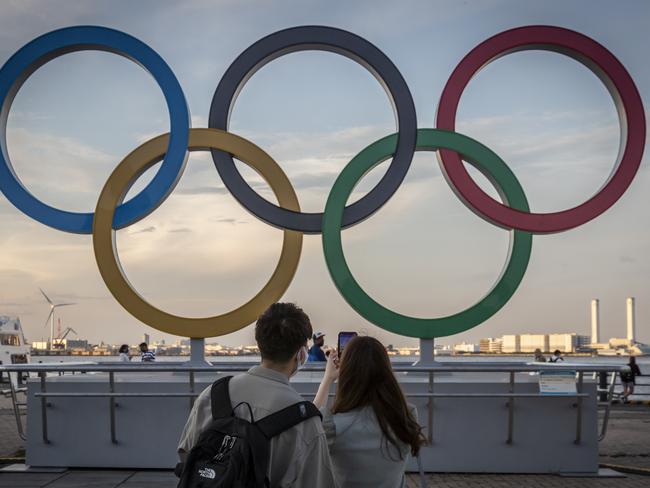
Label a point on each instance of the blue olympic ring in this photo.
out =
(57, 43)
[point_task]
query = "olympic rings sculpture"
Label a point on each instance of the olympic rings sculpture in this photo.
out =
(512, 213)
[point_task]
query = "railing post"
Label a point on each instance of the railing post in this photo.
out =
(511, 408)
(579, 412)
(430, 409)
(14, 401)
(111, 388)
(602, 384)
(191, 389)
(608, 406)
(44, 402)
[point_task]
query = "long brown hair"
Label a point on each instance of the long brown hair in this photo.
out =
(366, 378)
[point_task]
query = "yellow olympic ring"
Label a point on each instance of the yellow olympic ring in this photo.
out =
(112, 195)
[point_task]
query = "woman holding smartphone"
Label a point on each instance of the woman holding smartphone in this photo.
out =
(370, 428)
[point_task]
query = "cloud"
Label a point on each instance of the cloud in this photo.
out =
(229, 220)
(145, 230)
(203, 190)
(60, 171)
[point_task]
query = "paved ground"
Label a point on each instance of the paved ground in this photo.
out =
(10, 443)
(165, 479)
(627, 443)
(628, 440)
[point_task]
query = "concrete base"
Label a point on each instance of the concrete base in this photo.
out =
(602, 473)
(24, 468)
(469, 434)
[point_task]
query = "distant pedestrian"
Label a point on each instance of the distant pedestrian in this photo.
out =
(316, 351)
(556, 357)
(124, 353)
(147, 355)
(629, 377)
(539, 357)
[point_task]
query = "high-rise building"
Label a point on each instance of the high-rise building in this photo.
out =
(631, 332)
(146, 338)
(595, 321)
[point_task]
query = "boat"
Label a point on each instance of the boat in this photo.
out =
(13, 346)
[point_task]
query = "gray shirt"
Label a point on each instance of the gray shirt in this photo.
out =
(360, 456)
(299, 456)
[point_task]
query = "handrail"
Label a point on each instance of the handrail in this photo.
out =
(430, 371)
(217, 367)
(618, 382)
(194, 395)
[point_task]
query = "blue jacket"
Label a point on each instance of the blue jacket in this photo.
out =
(316, 354)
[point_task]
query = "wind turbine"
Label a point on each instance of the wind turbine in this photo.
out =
(50, 317)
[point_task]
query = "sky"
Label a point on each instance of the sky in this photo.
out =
(423, 254)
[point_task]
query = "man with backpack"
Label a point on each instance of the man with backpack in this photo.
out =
(254, 430)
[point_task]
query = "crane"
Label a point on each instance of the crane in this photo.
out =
(58, 342)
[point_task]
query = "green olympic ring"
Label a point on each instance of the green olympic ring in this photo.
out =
(496, 171)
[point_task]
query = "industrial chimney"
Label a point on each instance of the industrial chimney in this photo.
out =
(630, 321)
(595, 322)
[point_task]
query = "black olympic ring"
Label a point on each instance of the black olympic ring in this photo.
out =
(323, 39)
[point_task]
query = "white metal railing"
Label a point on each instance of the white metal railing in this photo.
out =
(511, 395)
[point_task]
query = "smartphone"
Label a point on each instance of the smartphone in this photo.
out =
(344, 338)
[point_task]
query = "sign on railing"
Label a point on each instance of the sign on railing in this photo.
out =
(557, 383)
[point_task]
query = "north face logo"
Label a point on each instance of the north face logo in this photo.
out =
(207, 473)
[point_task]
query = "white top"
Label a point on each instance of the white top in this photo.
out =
(124, 357)
(361, 458)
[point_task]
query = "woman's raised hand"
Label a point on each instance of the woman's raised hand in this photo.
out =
(332, 367)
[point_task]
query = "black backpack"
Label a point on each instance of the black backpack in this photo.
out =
(233, 452)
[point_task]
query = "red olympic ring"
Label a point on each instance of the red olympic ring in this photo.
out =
(620, 86)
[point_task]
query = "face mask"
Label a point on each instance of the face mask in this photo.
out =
(303, 361)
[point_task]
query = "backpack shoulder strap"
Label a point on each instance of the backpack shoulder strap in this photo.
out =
(220, 398)
(278, 422)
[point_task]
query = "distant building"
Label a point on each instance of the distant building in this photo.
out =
(595, 321)
(582, 342)
(616, 342)
(466, 348)
(70, 344)
(146, 338)
(491, 345)
(530, 342)
(566, 343)
(213, 348)
(511, 344)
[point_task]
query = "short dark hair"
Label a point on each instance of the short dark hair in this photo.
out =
(281, 330)
(143, 344)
